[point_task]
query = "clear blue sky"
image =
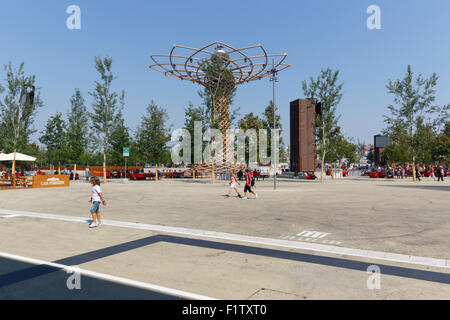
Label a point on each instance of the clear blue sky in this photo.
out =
(315, 34)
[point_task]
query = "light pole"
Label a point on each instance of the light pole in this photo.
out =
(105, 140)
(273, 77)
(17, 122)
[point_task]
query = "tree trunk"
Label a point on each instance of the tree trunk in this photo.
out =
(156, 174)
(74, 172)
(104, 172)
(414, 170)
(59, 168)
(332, 171)
(321, 167)
(13, 176)
(340, 169)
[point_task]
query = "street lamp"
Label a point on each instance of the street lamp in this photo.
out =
(29, 100)
(274, 78)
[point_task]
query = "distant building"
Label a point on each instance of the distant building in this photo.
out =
(302, 151)
(379, 143)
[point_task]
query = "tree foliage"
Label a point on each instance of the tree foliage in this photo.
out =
(16, 126)
(219, 85)
(414, 119)
(191, 115)
(77, 127)
(54, 137)
(266, 122)
(326, 90)
(153, 135)
(119, 136)
(104, 106)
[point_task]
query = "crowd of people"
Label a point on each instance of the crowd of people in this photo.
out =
(20, 171)
(431, 172)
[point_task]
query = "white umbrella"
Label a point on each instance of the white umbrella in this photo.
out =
(19, 157)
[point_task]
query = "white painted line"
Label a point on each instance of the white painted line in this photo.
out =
(10, 216)
(312, 234)
(368, 254)
(103, 276)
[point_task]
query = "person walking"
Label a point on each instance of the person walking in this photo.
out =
(87, 173)
(96, 199)
(240, 174)
(432, 173)
(440, 172)
(249, 182)
(417, 173)
(233, 183)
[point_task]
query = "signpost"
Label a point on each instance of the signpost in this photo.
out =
(126, 154)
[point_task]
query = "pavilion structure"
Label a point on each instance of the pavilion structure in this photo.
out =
(219, 68)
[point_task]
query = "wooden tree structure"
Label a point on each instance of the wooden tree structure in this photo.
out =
(219, 68)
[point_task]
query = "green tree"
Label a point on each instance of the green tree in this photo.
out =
(191, 115)
(326, 90)
(120, 136)
(250, 121)
(54, 137)
(268, 124)
(16, 126)
(77, 128)
(220, 86)
(371, 156)
(39, 153)
(348, 151)
(104, 105)
(393, 153)
(341, 148)
(153, 135)
(360, 149)
(441, 151)
(411, 114)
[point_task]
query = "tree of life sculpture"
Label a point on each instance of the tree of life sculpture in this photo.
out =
(219, 68)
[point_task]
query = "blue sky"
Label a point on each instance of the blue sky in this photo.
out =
(314, 34)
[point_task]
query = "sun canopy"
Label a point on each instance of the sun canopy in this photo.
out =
(19, 157)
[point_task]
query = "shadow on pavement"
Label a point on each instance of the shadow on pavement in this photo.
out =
(436, 188)
(19, 280)
(49, 283)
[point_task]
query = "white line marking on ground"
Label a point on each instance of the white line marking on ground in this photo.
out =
(103, 276)
(312, 234)
(10, 216)
(378, 255)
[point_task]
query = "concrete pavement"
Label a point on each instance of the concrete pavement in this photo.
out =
(391, 216)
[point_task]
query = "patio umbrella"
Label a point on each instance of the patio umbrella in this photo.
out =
(19, 157)
(15, 156)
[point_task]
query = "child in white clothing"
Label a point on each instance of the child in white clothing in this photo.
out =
(96, 199)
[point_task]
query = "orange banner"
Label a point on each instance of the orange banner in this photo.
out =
(51, 181)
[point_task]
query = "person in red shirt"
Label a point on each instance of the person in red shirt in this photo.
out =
(249, 182)
(432, 173)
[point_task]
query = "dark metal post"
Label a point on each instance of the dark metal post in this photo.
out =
(273, 77)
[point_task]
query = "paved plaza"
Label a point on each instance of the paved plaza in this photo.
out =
(184, 239)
